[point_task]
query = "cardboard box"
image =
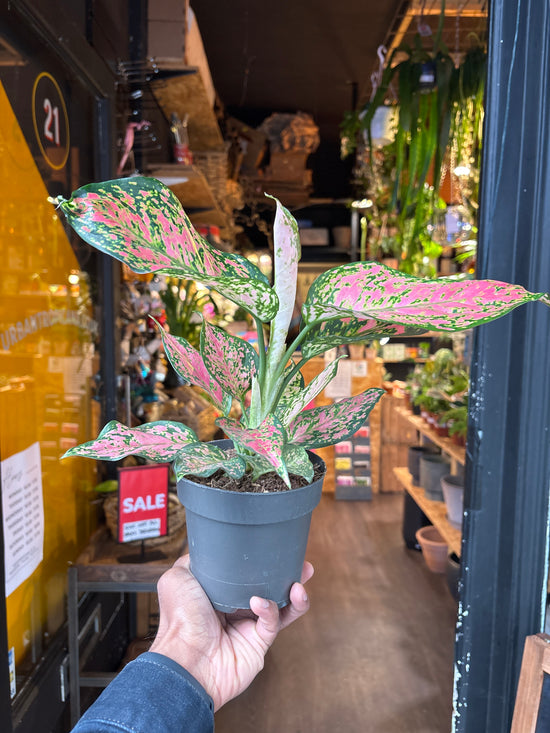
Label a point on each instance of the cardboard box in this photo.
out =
(166, 39)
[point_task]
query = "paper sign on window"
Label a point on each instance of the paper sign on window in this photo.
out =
(143, 502)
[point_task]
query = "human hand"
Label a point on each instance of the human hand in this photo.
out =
(224, 652)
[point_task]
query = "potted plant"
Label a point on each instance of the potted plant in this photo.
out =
(140, 222)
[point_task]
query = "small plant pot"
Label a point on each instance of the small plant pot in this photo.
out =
(432, 468)
(458, 439)
(415, 453)
(453, 493)
(434, 549)
(441, 430)
(244, 544)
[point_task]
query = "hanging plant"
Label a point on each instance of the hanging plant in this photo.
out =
(440, 106)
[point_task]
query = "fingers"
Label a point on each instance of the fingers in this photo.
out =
(268, 623)
(299, 604)
(307, 572)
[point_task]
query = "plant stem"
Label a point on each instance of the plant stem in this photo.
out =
(261, 351)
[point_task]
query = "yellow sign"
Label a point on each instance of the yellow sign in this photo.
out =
(47, 363)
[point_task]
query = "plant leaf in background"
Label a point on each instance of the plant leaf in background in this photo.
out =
(189, 364)
(230, 360)
(267, 440)
(140, 222)
(157, 441)
(286, 255)
(339, 331)
(326, 425)
(363, 289)
(204, 459)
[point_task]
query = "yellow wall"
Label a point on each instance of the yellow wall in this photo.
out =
(46, 363)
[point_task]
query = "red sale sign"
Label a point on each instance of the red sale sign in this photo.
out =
(143, 502)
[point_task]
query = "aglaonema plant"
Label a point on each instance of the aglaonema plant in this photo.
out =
(140, 222)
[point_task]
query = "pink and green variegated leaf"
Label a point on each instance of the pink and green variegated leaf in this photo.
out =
(231, 360)
(330, 424)
(291, 391)
(267, 440)
(297, 461)
(309, 393)
(189, 364)
(140, 222)
(286, 255)
(338, 331)
(204, 459)
(157, 441)
(372, 290)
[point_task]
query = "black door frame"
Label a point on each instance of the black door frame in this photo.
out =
(505, 542)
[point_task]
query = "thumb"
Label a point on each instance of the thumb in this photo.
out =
(267, 623)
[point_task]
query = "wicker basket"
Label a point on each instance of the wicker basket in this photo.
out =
(213, 165)
(176, 522)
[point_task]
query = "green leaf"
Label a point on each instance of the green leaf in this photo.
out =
(339, 331)
(204, 459)
(297, 461)
(309, 393)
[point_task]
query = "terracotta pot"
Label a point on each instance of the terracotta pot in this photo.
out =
(434, 549)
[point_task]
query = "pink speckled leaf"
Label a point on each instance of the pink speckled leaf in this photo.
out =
(157, 441)
(231, 361)
(286, 255)
(297, 461)
(309, 393)
(329, 424)
(140, 222)
(204, 459)
(267, 440)
(370, 289)
(340, 331)
(189, 364)
(292, 390)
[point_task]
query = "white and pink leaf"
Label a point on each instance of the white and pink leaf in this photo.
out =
(156, 441)
(329, 424)
(372, 290)
(231, 361)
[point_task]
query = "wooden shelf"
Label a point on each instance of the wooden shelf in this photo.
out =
(186, 94)
(456, 452)
(436, 511)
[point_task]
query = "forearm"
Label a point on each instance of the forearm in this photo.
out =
(152, 694)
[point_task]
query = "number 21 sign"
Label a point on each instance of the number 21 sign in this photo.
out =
(50, 120)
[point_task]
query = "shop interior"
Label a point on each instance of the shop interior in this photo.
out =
(380, 128)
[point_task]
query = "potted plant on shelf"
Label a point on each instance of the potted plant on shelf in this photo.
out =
(140, 222)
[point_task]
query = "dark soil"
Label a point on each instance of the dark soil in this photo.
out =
(266, 483)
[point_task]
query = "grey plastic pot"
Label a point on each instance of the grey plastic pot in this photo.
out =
(244, 544)
(432, 468)
(414, 456)
(453, 493)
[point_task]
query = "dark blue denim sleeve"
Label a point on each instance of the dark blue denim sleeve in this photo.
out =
(152, 694)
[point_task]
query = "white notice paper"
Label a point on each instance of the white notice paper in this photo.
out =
(340, 386)
(23, 515)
